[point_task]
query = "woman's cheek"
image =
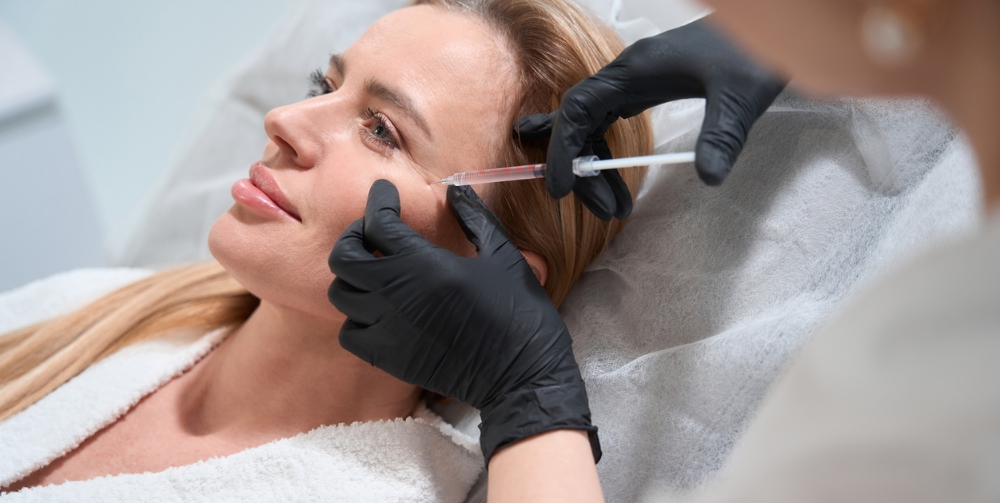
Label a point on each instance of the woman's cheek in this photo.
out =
(339, 202)
(342, 197)
(430, 214)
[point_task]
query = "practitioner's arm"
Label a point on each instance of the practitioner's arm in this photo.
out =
(552, 467)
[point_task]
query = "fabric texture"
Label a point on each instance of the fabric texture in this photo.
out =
(697, 307)
(895, 400)
(421, 458)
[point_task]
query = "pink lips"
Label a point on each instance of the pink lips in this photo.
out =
(261, 193)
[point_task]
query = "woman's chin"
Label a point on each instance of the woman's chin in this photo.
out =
(238, 252)
(221, 237)
(268, 267)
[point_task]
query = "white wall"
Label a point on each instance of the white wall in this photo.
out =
(130, 75)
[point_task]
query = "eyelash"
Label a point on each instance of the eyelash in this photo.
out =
(319, 85)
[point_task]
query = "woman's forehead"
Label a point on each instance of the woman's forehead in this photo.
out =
(455, 72)
(435, 34)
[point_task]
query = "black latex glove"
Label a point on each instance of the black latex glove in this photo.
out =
(693, 61)
(480, 330)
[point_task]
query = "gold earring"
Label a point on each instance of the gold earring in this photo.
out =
(893, 34)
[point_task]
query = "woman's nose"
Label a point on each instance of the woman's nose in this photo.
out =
(292, 129)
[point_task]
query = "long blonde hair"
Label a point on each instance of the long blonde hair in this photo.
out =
(556, 45)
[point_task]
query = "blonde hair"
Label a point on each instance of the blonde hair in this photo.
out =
(556, 45)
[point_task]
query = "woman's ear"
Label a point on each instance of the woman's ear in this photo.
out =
(537, 264)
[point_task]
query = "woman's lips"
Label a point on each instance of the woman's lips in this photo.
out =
(261, 192)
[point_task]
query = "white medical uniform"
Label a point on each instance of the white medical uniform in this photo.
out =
(898, 400)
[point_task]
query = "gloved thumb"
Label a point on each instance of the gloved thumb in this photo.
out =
(723, 134)
(480, 225)
(534, 127)
(384, 230)
(728, 119)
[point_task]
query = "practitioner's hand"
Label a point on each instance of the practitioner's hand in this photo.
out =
(481, 330)
(693, 61)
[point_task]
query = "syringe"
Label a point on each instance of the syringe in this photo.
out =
(582, 166)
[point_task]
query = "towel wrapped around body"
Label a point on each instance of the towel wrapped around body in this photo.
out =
(420, 458)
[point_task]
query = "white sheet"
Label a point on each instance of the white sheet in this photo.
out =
(895, 400)
(700, 303)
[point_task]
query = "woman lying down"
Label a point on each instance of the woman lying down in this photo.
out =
(226, 380)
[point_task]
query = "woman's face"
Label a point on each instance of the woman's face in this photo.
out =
(421, 95)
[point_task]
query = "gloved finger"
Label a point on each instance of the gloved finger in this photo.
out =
(354, 303)
(600, 149)
(722, 136)
(534, 127)
(593, 191)
(596, 141)
(480, 225)
(596, 195)
(384, 230)
(349, 252)
(728, 119)
(367, 342)
(380, 345)
(583, 110)
(352, 338)
(623, 198)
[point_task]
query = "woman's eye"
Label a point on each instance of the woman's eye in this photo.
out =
(318, 85)
(381, 132)
(378, 128)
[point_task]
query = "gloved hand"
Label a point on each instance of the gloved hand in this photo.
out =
(480, 330)
(693, 61)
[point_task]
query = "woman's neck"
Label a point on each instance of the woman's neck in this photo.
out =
(283, 372)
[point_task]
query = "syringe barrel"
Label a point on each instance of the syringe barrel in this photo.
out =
(527, 172)
(582, 166)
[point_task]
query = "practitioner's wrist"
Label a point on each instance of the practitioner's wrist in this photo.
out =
(525, 413)
(551, 467)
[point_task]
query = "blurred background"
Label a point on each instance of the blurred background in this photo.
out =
(95, 97)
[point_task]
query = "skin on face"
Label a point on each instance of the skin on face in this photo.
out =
(325, 152)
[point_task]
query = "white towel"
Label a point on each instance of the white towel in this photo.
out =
(421, 458)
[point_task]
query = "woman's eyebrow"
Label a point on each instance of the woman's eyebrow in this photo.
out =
(384, 92)
(337, 62)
